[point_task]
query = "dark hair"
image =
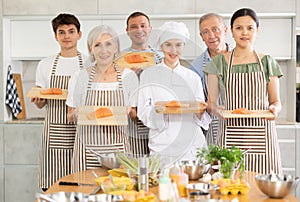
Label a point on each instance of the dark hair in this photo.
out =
(136, 14)
(65, 19)
(244, 12)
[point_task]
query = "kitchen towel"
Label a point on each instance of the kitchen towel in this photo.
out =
(12, 98)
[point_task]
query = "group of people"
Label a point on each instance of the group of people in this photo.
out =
(221, 77)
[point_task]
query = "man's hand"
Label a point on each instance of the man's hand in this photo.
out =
(39, 102)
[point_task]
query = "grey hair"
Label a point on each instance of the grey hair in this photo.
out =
(209, 15)
(99, 31)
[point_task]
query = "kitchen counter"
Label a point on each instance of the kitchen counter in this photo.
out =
(254, 193)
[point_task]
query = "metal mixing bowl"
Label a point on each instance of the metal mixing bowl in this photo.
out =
(109, 160)
(194, 169)
(63, 196)
(204, 187)
(105, 198)
(276, 186)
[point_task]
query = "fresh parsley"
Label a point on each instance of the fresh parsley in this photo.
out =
(230, 158)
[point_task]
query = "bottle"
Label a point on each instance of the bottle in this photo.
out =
(164, 186)
(183, 181)
(143, 174)
(175, 173)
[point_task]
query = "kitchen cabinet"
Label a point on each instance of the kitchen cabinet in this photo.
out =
(19, 147)
(37, 7)
(42, 43)
(19, 151)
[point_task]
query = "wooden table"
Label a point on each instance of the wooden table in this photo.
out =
(87, 176)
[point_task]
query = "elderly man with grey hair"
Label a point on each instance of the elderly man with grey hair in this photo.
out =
(213, 31)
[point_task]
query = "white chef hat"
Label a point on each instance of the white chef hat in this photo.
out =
(173, 30)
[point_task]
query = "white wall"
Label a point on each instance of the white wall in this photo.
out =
(27, 34)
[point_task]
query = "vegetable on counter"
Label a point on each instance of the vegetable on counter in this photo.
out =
(231, 159)
(131, 164)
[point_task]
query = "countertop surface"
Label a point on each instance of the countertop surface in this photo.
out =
(254, 194)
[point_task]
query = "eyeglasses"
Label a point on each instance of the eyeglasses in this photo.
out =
(215, 30)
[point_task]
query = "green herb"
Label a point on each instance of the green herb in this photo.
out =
(230, 158)
(131, 164)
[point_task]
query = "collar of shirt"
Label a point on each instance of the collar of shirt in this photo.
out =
(208, 58)
(178, 68)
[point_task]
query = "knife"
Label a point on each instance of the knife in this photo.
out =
(96, 190)
(75, 184)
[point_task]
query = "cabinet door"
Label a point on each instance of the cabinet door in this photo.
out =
(32, 39)
(22, 144)
(287, 143)
(21, 180)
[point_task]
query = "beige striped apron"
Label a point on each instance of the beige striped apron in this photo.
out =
(99, 139)
(249, 90)
(58, 135)
(212, 132)
(138, 132)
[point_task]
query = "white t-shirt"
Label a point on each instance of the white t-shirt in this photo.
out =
(77, 97)
(65, 66)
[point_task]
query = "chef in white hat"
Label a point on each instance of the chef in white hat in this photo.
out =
(173, 136)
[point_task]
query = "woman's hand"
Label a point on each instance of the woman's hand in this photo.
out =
(39, 102)
(274, 100)
(274, 110)
(216, 110)
(72, 115)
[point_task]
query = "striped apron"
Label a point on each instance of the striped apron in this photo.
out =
(99, 139)
(249, 90)
(138, 132)
(58, 135)
(212, 132)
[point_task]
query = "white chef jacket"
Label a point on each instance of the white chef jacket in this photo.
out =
(174, 136)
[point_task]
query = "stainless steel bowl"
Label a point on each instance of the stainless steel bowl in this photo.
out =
(277, 186)
(78, 197)
(109, 160)
(63, 196)
(105, 198)
(198, 187)
(194, 169)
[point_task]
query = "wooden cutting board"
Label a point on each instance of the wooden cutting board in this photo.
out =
(86, 116)
(36, 92)
(255, 114)
(149, 56)
(18, 80)
(186, 107)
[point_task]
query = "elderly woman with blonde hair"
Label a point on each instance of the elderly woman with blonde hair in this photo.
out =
(172, 136)
(104, 84)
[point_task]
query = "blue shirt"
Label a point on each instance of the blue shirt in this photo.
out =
(197, 64)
